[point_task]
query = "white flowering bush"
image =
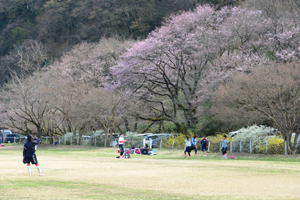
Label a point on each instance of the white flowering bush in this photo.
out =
(298, 145)
(258, 136)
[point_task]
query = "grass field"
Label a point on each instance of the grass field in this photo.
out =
(94, 173)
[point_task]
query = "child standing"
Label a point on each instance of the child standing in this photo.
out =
(204, 143)
(29, 153)
(188, 147)
(224, 147)
(121, 145)
(194, 144)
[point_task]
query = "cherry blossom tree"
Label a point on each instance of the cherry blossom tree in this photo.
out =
(174, 67)
(91, 62)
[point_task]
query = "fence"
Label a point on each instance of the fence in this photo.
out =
(249, 147)
(19, 140)
(214, 147)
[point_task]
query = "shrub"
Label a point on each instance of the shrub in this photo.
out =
(275, 146)
(256, 134)
(298, 149)
(215, 142)
(179, 141)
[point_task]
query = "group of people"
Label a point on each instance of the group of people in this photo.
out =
(30, 147)
(191, 144)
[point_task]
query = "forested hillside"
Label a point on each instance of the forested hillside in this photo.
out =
(60, 24)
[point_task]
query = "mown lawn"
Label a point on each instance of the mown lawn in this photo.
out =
(73, 172)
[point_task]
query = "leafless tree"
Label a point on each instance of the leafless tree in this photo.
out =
(27, 58)
(269, 92)
(26, 102)
(106, 107)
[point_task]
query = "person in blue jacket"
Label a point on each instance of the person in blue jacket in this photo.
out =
(194, 144)
(29, 153)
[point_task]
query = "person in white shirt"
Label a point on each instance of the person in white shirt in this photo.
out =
(121, 145)
(188, 147)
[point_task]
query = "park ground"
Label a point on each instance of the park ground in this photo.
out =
(73, 172)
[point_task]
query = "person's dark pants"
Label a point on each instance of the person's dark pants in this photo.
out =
(195, 148)
(188, 149)
(121, 149)
(31, 158)
(224, 150)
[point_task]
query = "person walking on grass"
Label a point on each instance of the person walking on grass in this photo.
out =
(224, 147)
(29, 153)
(121, 145)
(204, 143)
(194, 144)
(188, 147)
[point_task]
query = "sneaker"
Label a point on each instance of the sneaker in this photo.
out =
(41, 174)
(184, 157)
(30, 174)
(196, 154)
(189, 156)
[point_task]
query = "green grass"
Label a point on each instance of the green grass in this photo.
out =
(81, 172)
(97, 191)
(92, 191)
(163, 154)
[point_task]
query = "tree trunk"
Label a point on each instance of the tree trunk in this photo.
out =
(110, 138)
(120, 130)
(160, 124)
(181, 130)
(80, 135)
(135, 124)
(39, 131)
(126, 124)
(74, 137)
(107, 138)
(93, 137)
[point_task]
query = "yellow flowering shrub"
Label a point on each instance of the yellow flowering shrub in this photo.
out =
(275, 146)
(179, 141)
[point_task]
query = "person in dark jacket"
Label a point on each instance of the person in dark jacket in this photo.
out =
(29, 153)
(204, 143)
